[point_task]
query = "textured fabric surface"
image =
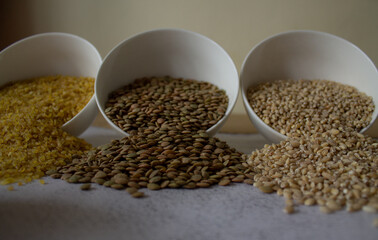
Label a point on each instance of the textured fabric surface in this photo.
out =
(59, 210)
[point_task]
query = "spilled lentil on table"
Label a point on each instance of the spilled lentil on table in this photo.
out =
(168, 146)
(158, 159)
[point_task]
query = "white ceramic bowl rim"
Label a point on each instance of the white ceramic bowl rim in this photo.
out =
(231, 102)
(69, 125)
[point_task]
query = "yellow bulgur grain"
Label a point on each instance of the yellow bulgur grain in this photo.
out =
(31, 115)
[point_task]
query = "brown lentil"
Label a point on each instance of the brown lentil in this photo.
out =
(143, 162)
(131, 190)
(85, 187)
(31, 115)
(164, 101)
(137, 194)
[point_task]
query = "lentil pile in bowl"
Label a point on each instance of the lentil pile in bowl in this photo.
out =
(31, 115)
(164, 101)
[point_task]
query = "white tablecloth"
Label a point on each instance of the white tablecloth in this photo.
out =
(59, 210)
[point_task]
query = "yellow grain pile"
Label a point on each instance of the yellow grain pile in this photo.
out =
(31, 115)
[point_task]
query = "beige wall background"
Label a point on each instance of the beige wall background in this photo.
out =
(237, 25)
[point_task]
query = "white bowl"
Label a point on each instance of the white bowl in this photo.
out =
(173, 52)
(53, 54)
(306, 55)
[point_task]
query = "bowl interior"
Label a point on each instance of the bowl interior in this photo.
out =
(53, 54)
(174, 52)
(307, 55)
